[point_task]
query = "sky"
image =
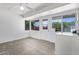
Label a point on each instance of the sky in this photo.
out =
(69, 19)
(65, 19)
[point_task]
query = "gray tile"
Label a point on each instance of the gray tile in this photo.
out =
(27, 46)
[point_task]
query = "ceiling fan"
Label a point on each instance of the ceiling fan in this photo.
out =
(23, 6)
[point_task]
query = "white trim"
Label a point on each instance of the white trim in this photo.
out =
(65, 33)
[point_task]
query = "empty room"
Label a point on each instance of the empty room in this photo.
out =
(39, 29)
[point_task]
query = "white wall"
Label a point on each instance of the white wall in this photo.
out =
(64, 45)
(76, 46)
(44, 35)
(11, 26)
(67, 45)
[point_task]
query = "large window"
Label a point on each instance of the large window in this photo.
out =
(45, 23)
(56, 24)
(64, 24)
(69, 23)
(26, 25)
(35, 25)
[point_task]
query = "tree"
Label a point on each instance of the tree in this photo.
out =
(57, 26)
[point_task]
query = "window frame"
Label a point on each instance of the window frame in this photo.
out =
(61, 17)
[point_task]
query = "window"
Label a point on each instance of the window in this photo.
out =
(69, 23)
(26, 25)
(56, 23)
(64, 24)
(35, 25)
(45, 23)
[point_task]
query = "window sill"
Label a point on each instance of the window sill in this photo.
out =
(65, 33)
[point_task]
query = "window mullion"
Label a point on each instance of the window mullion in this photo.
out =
(62, 24)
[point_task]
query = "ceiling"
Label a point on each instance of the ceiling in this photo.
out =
(29, 8)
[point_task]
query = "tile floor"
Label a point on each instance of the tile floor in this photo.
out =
(27, 46)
